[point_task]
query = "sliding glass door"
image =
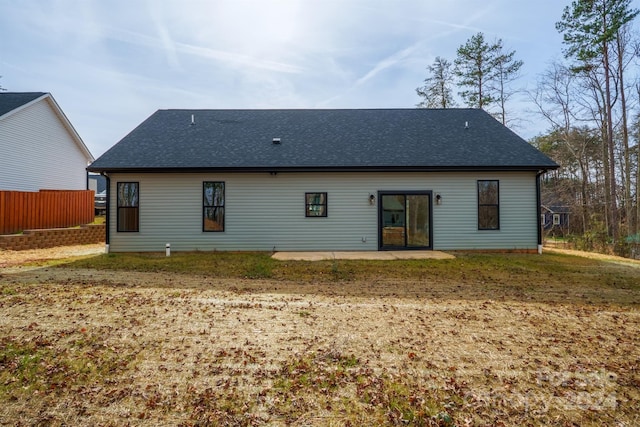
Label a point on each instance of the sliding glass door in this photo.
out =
(405, 220)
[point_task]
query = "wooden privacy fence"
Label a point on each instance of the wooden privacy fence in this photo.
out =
(20, 210)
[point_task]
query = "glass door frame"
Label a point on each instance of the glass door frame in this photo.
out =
(381, 247)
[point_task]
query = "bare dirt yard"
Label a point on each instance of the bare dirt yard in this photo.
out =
(83, 346)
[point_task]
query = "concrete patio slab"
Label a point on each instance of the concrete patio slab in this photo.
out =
(360, 255)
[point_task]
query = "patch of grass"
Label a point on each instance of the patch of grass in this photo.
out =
(41, 366)
(19, 363)
(214, 406)
(323, 378)
(219, 264)
(259, 268)
(550, 277)
(99, 220)
(8, 290)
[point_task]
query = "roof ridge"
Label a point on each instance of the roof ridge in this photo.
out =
(325, 109)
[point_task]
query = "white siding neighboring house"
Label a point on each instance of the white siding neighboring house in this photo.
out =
(309, 180)
(39, 148)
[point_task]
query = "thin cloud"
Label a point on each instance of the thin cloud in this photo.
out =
(168, 46)
(388, 62)
(402, 55)
(239, 59)
(230, 58)
(452, 25)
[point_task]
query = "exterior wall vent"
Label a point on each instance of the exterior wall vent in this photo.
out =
(276, 141)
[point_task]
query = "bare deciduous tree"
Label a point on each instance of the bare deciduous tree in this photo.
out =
(572, 145)
(506, 70)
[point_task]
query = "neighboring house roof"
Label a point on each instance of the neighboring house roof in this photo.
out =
(12, 102)
(557, 209)
(358, 139)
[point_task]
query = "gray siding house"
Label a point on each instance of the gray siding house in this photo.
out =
(305, 180)
(39, 148)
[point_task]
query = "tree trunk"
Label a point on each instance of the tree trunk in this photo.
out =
(605, 174)
(625, 138)
(613, 209)
(502, 107)
(583, 194)
(638, 189)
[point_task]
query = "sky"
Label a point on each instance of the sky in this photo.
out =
(110, 64)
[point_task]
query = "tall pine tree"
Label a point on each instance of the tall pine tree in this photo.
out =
(474, 67)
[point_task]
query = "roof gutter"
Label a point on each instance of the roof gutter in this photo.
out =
(107, 211)
(539, 208)
(298, 169)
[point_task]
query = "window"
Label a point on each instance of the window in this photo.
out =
(213, 206)
(128, 199)
(488, 205)
(556, 219)
(315, 204)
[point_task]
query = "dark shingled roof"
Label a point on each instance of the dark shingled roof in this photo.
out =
(9, 101)
(367, 139)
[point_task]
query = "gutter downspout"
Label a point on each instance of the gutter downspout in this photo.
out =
(107, 212)
(538, 209)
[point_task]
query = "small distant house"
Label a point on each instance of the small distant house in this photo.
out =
(361, 179)
(555, 219)
(39, 148)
